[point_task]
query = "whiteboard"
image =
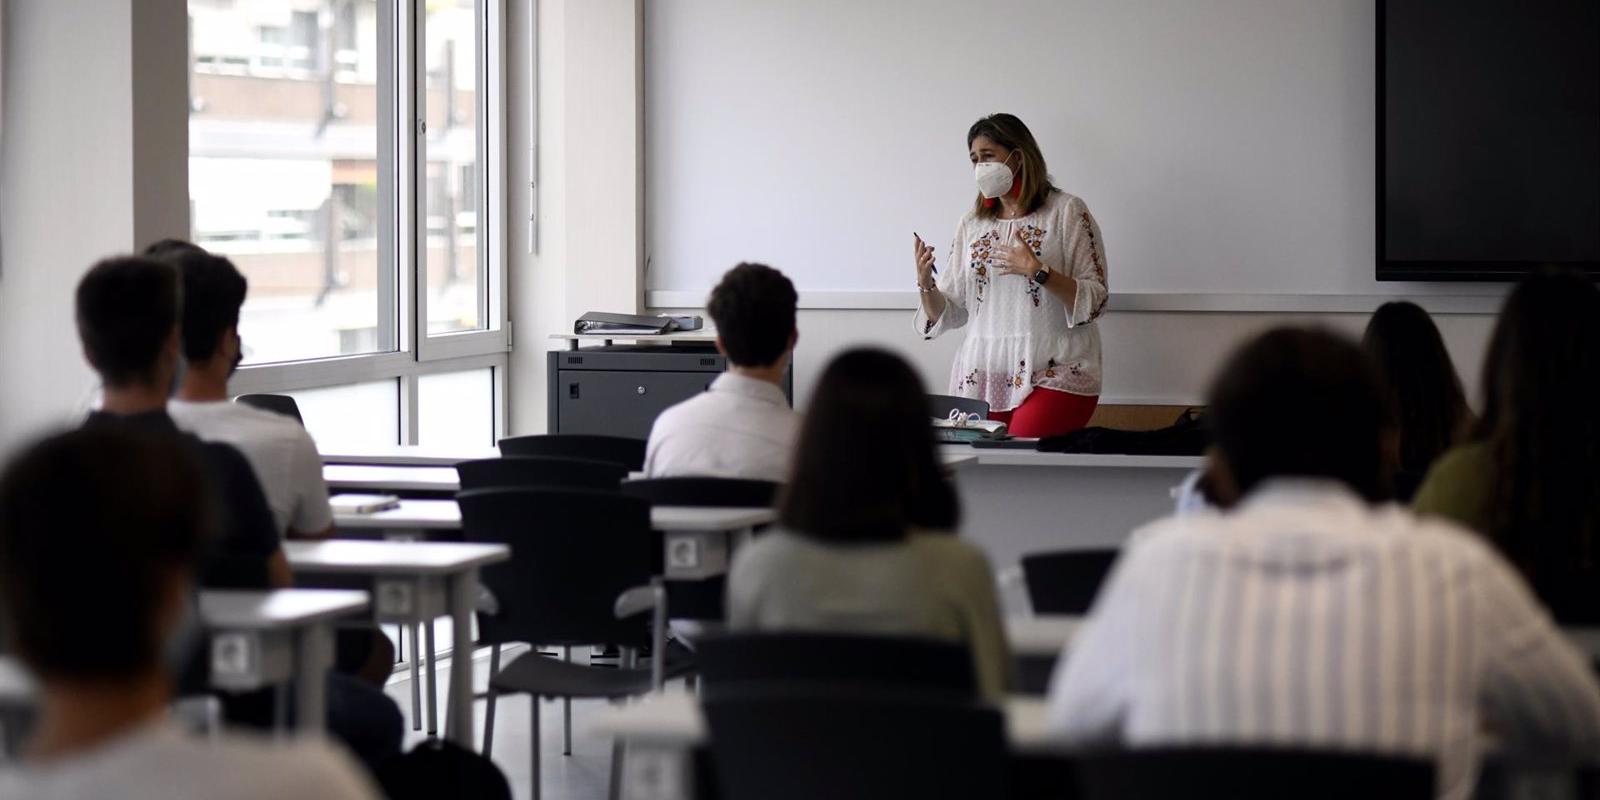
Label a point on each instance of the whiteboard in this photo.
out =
(1225, 146)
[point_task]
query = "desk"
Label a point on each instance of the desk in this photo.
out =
(416, 582)
(690, 552)
(265, 638)
(1015, 502)
(1043, 636)
(379, 478)
(409, 455)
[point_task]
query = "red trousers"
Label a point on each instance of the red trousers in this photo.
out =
(1047, 412)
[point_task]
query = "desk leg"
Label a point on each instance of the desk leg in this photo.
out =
(413, 655)
(433, 682)
(463, 591)
(313, 658)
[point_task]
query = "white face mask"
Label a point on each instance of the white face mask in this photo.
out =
(994, 178)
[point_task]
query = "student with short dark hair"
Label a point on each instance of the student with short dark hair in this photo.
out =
(127, 315)
(1530, 480)
(742, 426)
(1422, 387)
(101, 533)
(283, 455)
(1312, 614)
(863, 543)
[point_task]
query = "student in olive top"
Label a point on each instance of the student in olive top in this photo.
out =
(1530, 480)
(1423, 390)
(862, 544)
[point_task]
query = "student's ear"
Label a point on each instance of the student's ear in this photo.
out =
(176, 590)
(1218, 483)
(171, 352)
(723, 351)
(794, 339)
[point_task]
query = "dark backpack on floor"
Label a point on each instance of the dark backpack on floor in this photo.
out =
(436, 769)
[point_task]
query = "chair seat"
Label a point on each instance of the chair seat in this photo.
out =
(533, 673)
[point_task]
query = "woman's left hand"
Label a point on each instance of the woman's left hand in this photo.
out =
(1016, 258)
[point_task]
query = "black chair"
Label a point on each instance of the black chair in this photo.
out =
(528, 472)
(627, 452)
(276, 403)
(777, 744)
(702, 599)
(716, 492)
(826, 659)
(562, 587)
(939, 406)
(1245, 773)
(1066, 581)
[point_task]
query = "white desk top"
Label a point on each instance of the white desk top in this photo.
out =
(391, 558)
(282, 608)
(16, 685)
(988, 457)
(396, 455)
(446, 515)
(673, 719)
(384, 478)
(1045, 635)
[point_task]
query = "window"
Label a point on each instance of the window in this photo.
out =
(455, 409)
(344, 154)
(351, 417)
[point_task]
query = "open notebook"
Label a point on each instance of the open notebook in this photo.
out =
(362, 503)
(967, 430)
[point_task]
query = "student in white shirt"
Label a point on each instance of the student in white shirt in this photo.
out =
(100, 533)
(1312, 614)
(283, 455)
(742, 426)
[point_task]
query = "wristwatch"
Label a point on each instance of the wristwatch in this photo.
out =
(1041, 276)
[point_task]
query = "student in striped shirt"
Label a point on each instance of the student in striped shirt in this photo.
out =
(1310, 612)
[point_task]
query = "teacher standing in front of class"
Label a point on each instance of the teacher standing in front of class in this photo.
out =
(1026, 277)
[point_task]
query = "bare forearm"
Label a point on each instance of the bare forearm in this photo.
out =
(933, 304)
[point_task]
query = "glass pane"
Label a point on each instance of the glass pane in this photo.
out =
(456, 285)
(353, 417)
(283, 170)
(456, 409)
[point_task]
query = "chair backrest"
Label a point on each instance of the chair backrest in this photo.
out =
(825, 659)
(573, 552)
(621, 450)
(276, 403)
(529, 472)
(1065, 581)
(1245, 773)
(776, 744)
(939, 406)
(716, 492)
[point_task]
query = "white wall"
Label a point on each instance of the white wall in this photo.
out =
(88, 130)
(590, 181)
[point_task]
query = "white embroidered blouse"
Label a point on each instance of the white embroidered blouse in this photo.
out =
(1020, 335)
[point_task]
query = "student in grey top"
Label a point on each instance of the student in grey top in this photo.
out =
(1310, 613)
(101, 532)
(863, 543)
(742, 425)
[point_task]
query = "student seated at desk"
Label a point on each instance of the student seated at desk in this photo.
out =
(1417, 375)
(127, 314)
(283, 455)
(741, 427)
(1312, 614)
(863, 543)
(1530, 481)
(101, 532)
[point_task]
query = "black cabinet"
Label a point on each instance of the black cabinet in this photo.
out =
(618, 390)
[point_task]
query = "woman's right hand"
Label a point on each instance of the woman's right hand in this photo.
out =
(925, 267)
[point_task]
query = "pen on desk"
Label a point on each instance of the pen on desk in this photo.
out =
(933, 267)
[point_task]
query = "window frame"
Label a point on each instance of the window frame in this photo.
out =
(408, 352)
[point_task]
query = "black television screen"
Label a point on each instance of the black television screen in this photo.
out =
(1488, 137)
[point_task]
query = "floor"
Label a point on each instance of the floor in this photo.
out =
(581, 776)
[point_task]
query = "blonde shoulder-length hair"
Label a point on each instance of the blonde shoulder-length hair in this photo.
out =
(1008, 131)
